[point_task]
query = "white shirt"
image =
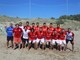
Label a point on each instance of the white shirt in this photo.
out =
(25, 34)
(69, 36)
(21, 27)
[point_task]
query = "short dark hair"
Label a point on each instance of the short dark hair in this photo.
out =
(37, 22)
(51, 23)
(33, 23)
(27, 22)
(44, 23)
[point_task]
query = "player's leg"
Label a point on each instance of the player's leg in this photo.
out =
(8, 38)
(29, 44)
(43, 43)
(72, 42)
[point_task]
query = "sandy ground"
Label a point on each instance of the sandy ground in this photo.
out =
(24, 54)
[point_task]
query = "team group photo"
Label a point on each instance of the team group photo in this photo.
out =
(36, 36)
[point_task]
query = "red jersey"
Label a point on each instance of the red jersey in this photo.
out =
(48, 35)
(44, 29)
(37, 28)
(32, 35)
(62, 36)
(40, 35)
(58, 30)
(51, 29)
(33, 27)
(55, 36)
(17, 32)
(28, 27)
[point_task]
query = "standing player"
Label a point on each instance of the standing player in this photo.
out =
(9, 35)
(32, 38)
(70, 37)
(33, 26)
(17, 36)
(28, 26)
(40, 38)
(51, 28)
(20, 25)
(44, 28)
(37, 27)
(25, 36)
(58, 30)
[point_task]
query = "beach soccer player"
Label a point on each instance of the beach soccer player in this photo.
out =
(27, 25)
(25, 37)
(40, 38)
(54, 40)
(9, 35)
(44, 28)
(33, 26)
(70, 38)
(48, 37)
(51, 28)
(62, 40)
(32, 38)
(20, 25)
(17, 32)
(37, 27)
(58, 30)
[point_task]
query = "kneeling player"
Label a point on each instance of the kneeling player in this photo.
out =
(62, 40)
(54, 39)
(40, 38)
(48, 37)
(32, 38)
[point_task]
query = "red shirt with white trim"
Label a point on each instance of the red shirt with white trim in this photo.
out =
(17, 32)
(32, 35)
(51, 29)
(40, 35)
(55, 36)
(48, 36)
(37, 28)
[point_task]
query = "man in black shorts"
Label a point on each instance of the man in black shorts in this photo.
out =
(70, 37)
(9, 35)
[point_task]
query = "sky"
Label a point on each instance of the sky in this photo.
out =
(39, 8)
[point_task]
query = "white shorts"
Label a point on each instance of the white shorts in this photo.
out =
(42, 41)
(62, 42)
(37, 40)
(48, 40)
(54, 41)
(33, 41)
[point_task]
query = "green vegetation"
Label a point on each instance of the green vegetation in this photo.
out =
(70, 17)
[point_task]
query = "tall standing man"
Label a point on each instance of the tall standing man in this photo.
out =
(9, 35)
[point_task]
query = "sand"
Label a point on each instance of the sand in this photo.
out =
(24, 54)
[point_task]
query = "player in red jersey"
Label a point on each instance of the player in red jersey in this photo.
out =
(54, 39)
(17, 35)
(40, 38)
(48, 37)
(33, 26)
(62, 40)
(58, 29)
(28, 26)
(32, 38)
(44, 28)
(37, 27)
(51, 27)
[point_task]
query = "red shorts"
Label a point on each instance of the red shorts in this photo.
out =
(17, 40)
